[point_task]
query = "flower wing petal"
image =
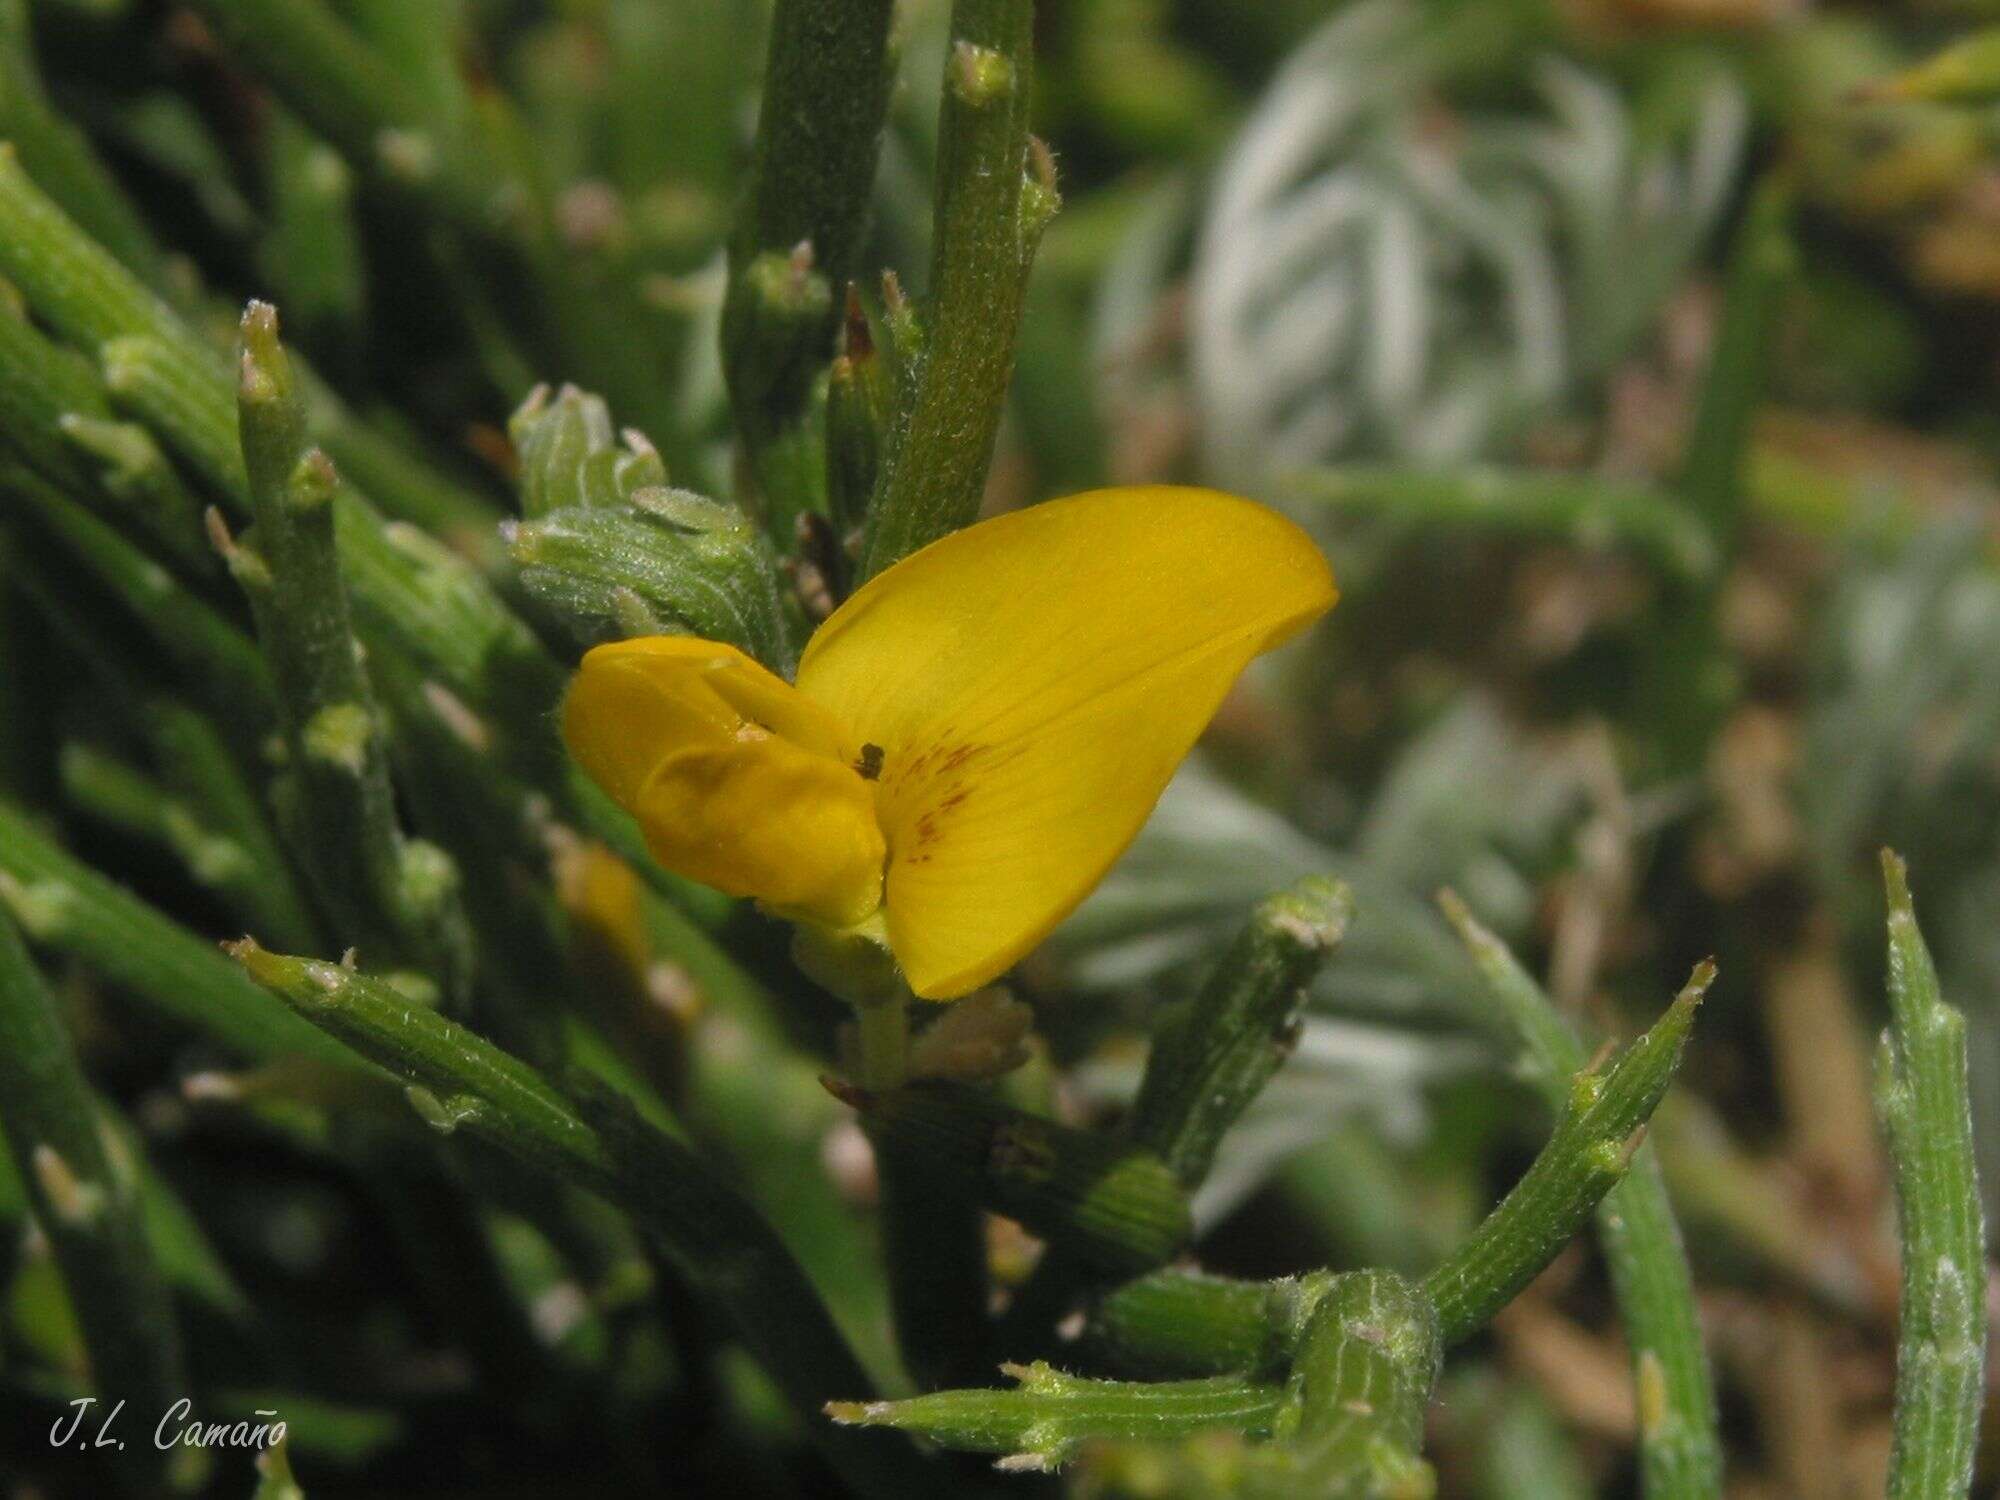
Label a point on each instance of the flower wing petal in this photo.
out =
(1032, 682)
(736, 780)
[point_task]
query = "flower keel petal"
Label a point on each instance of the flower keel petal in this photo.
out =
(735, 779)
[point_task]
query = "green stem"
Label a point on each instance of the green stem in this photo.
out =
(1714, 466)
(410, 592)
(934, 1254)
(1361, 1383)
(1211, 1059)
(195, 761)
(1588, 1154)
(1172, 1325)
(994, 196)
(1049, 1415)
(1690, 681)
(64, 905)
(1680, 1446)
(332, 78)
(179, 390)
(717, 1240)
(1115, 1205)
(882, 1029)
(933, 1231)
(397, 898)
(59, 154)
(79, 287)
(85, 1201)
(1359, 1351)
(1921, 1091)
(933, 1238)
(798, 233)
(1583, 510)
(176, 379)
(56, 413)
(464, 175)
(214, 656)
(757, 1100)
(406, 585)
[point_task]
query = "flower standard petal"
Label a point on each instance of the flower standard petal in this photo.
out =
(1031, 683)
(736, 780)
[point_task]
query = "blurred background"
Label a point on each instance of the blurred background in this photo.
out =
(1634, 360)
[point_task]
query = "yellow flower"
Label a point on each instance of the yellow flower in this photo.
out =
(974, 736)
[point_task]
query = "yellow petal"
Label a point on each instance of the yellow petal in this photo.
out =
(736, 780)
(599, 893)
(1032, 682)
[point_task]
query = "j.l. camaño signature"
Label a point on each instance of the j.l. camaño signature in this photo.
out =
(177, 1428)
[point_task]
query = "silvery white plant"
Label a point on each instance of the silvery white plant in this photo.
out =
(1376, 275)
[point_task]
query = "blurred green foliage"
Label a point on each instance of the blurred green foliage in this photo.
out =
(1632, 359)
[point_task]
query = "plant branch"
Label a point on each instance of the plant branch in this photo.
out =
(1921, 1091)
(1680, 1447)
(64, 905)
(994, 197)
(713, 1237)
(1213, 1057)
(86, 1202)
(1048, 1415)
(1603, 1116)
(798, 233)
(396, 897)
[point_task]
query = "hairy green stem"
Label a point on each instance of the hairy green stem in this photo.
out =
(396, 897)
(717, 1240)
(63, 905)
(1921, 1091)
(85, 1200)
(1115, 1205)
(798, 233)
(1212, 1058)
(1048, 1415)
(1603, 1115)
(406, 585)
(80, 288)
(994, 196)
(1360, 1385)
(1680, 1446)
(56, 413)
(1172, 1325)
(934, 1254)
